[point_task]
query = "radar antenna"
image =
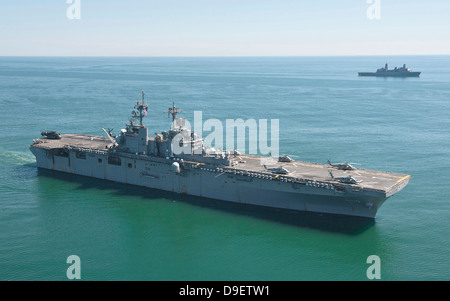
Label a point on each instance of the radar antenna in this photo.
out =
(173, 111)
(142, 109)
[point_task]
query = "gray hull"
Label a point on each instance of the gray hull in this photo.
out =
(390, 74)
(200, 181)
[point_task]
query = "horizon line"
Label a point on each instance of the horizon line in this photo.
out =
(218, 56)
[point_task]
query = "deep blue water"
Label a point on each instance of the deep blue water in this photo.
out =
(326, 112)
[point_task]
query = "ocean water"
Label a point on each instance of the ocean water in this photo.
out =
(325, 112)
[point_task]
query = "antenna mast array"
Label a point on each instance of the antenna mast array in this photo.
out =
(140, 110)
(173, 111)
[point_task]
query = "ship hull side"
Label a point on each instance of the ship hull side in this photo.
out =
(211, 184)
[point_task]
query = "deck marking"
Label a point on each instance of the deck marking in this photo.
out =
(407, 176)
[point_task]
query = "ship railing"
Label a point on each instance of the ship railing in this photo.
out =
(400, 184)
(84, 149)
(260, 175)
(279, 177)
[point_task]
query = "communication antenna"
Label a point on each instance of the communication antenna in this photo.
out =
(142, 109)
(173, 111)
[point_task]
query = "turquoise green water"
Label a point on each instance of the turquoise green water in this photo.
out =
(132, 233)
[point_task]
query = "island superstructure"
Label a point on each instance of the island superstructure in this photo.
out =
(396, 72)
(133, 157)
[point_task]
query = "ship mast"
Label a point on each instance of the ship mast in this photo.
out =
(173, 111)
(141, 108)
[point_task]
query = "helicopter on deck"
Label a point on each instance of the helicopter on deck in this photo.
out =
(278, 170)
(346, 180)
(342, 166)
(285, 158)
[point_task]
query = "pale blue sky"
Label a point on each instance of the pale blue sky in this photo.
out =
(224, 28)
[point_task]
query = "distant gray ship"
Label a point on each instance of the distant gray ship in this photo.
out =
(135, 158)
(396, 72)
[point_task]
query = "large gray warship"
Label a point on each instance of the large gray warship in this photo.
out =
(135, 158)
(396, 72)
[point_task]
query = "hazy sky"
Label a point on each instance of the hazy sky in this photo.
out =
(223, 27)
